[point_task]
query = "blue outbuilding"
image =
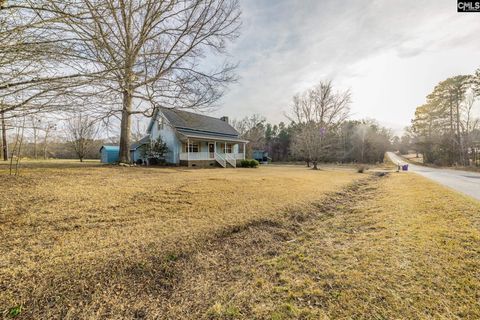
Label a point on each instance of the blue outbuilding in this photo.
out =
(109, 154)
(261, 156)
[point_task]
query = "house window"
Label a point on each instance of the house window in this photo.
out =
(227, 148)
(192, 147)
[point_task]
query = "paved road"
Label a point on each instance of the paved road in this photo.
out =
(462, 181)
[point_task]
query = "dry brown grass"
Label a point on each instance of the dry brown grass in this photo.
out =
(398, 247)
(88, 241)
(413, 157)
(291, 244)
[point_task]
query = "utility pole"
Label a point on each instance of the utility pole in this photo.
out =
(4, 139)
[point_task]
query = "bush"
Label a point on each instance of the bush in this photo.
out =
(253, 163)
(249, 163)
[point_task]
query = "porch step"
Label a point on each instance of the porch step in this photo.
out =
(221, 160)
(231, 160)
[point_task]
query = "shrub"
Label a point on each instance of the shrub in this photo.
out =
(245, 163)
(249, 163)
(253, 163)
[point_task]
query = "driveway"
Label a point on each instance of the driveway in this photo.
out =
(462, 181)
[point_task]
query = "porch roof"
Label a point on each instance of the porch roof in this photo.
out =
(184, 135)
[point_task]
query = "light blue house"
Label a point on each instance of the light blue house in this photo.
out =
(109, 154)
(196, 140)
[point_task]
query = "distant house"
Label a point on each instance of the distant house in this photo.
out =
(196, 140)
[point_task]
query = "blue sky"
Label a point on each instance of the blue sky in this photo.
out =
(389, 53)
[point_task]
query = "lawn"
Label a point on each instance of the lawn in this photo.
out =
(398, 247)
(77, 239)
(278, 242)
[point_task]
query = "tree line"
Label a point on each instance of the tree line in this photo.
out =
(446, 128)
(319, 130)
(111, 60)
(104, 62)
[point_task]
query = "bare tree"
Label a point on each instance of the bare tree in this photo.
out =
(318, 112)
(31, 57)
(47, 130)
(35, 126)
(16, 154)
(150, 52)
(4, 137)
(34, 74)
(252, 128)
(81, 130)
(361, 135)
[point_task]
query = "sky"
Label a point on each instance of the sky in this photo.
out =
(389, 53)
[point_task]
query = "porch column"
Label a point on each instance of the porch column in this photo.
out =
(244, 150)
(188, 150)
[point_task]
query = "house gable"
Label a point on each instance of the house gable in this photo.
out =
(168, 134)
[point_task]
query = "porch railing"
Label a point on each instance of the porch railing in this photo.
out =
(220, 159)
(209, 155)
(195, 156)
(239, 156)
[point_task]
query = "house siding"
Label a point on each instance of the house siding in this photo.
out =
(135, 154)
(168, 135)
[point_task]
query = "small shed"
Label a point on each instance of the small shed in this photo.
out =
(261, 156)
(109, 154)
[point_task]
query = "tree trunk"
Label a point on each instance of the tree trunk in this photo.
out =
(308, 163)
(19, 152)
(35, 152)
(4, 139)
(461, 152)
(45, 144)
(314, 165)
(452, 146)
(124, 156)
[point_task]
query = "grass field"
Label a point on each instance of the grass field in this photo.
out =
(278, 242)
(74, 237)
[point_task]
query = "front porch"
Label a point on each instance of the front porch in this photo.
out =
(201, 153)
